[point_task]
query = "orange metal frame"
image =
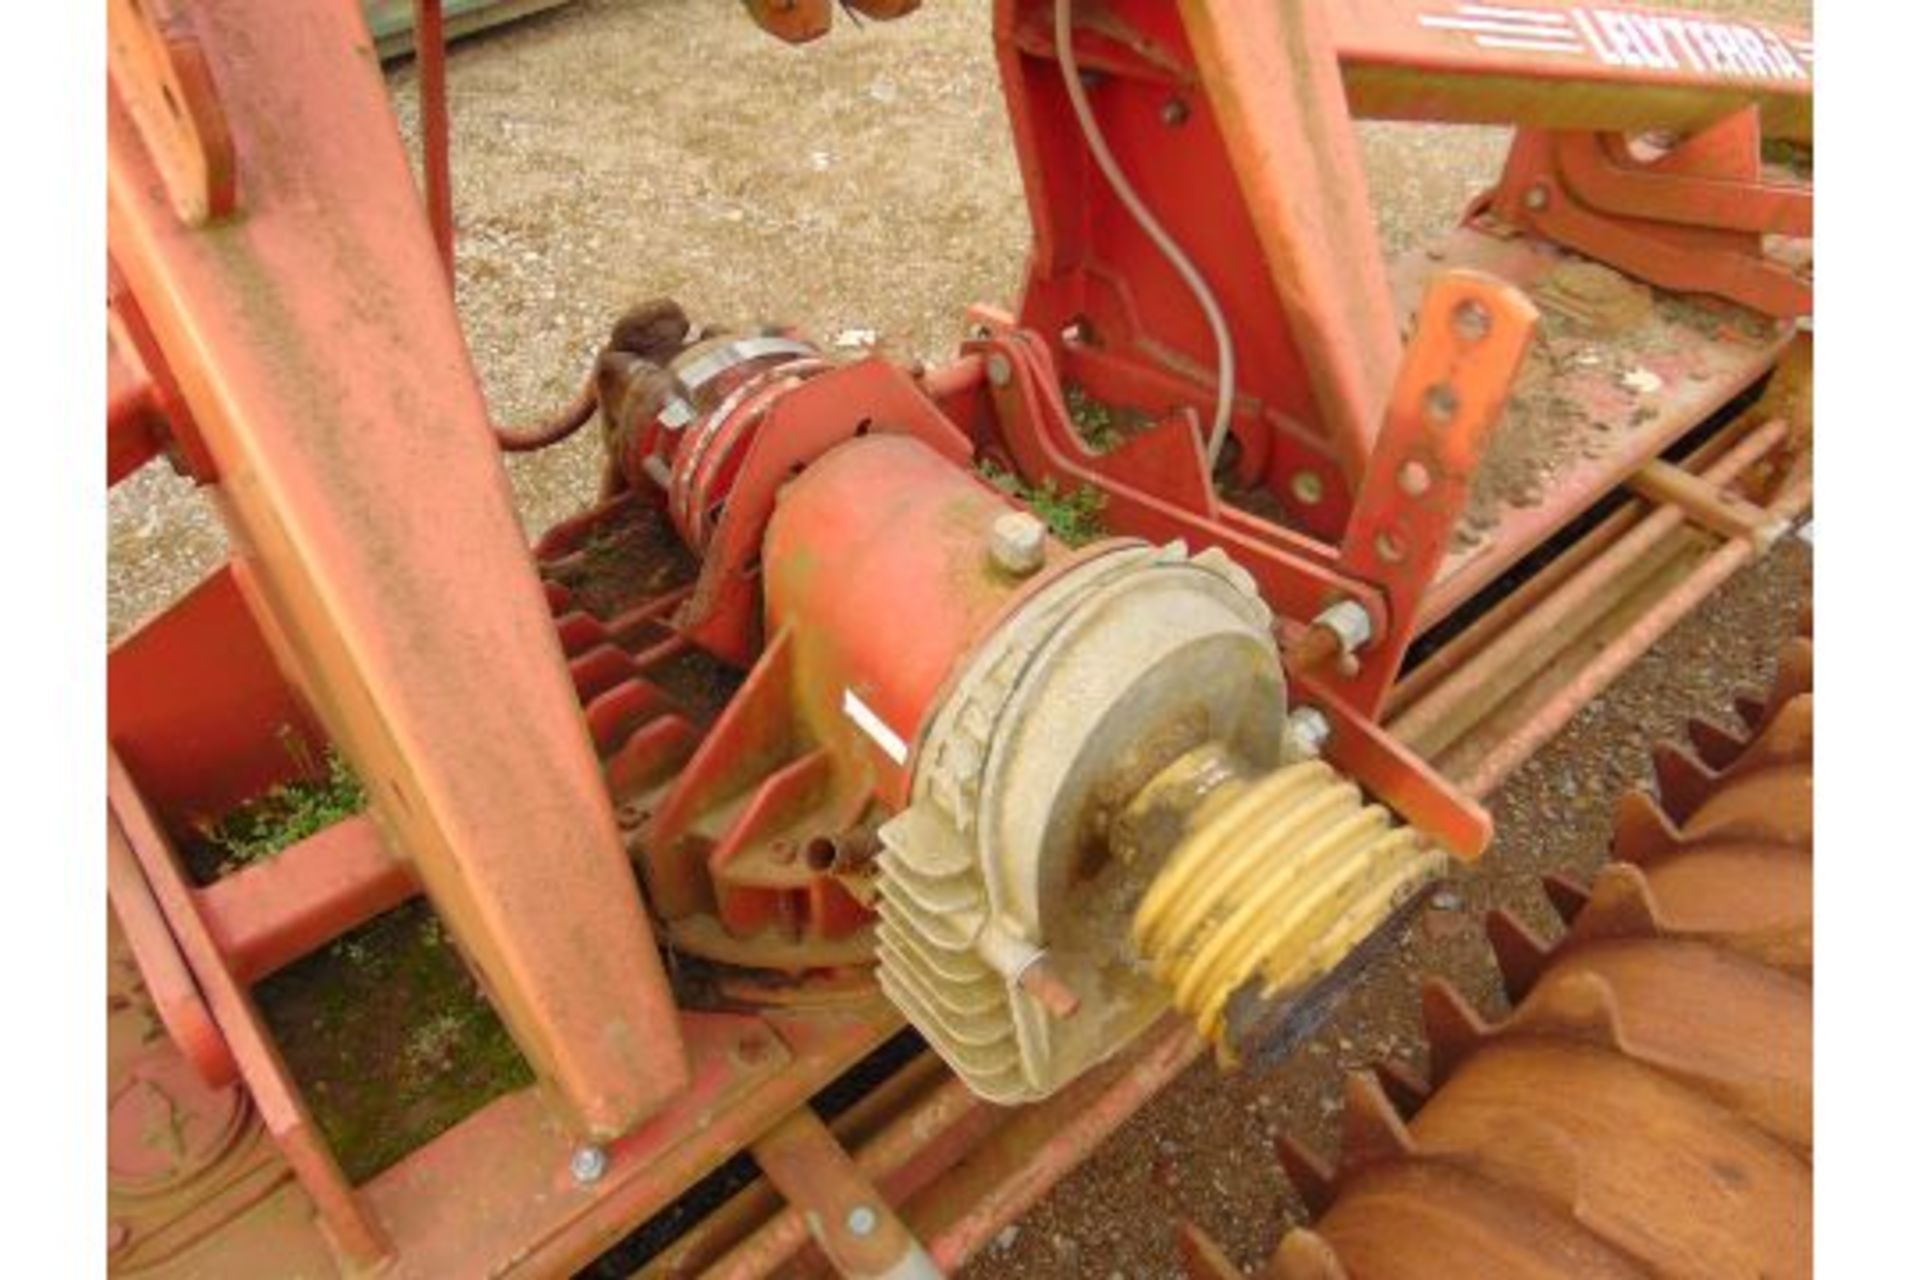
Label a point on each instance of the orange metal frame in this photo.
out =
(281, 325)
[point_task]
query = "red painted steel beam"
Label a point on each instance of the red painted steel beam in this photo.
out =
(267, 915)
(136, 428)
(1271, 73)
(164, 972)
(357, 1234)
(1555, 65)
(315, 341)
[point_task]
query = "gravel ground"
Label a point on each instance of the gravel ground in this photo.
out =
(614, 150)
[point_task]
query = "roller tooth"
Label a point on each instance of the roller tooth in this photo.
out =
(1454, 1027)
(1305, 1255)
(1407, 1091)
(1805, 623)
(1752, 710)
(1580, 1006)
(1518, 951)
(1568, 896)
(1716, 747)
(1794, 677)
(1787, 739)
(1312, 1175)
(1647, 1108)
(1371, 1130)
(1684, 782)
(1620, 905)
(1201, 1258)
(1642, 831)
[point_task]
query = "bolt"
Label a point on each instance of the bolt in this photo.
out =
(999, 369)
(1309, 730)
(589, 1165)
(1040, 981)
(1349, 622)
(1537, 196)
(1018, 543)
(862, 1221)
(1174, 112)
(753, 1049)
(1448, 900)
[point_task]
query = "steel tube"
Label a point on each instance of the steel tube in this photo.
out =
(1524, 647)
(1065, 1129)
(436, 160)
(1606, 666)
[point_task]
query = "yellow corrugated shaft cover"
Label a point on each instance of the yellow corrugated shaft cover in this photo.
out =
(1278, 879)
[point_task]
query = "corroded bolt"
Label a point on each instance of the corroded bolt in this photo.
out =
(1309, 730)
(1018, 543)
(1039, 980)
(589, 1165)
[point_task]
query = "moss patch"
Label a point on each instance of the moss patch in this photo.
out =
(390, 1038)
(274, 820)
(1073, 515)
(1102, 427)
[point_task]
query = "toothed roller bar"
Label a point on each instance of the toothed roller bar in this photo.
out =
(1647, 1109)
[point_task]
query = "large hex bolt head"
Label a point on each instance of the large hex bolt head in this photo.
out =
(1018, 543)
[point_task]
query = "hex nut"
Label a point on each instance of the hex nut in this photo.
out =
(1350, 622)
(1309, 731)
(1018, 543)
(589, 1164)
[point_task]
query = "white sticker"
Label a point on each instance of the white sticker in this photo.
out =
(874, 727)
(1628, 38)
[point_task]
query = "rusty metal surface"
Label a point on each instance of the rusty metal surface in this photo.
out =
(846, 1214)
(353, 570)
(1414, 60)
(1647, 1108)
(1702, 361)
(161, 73)
(329, 325)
